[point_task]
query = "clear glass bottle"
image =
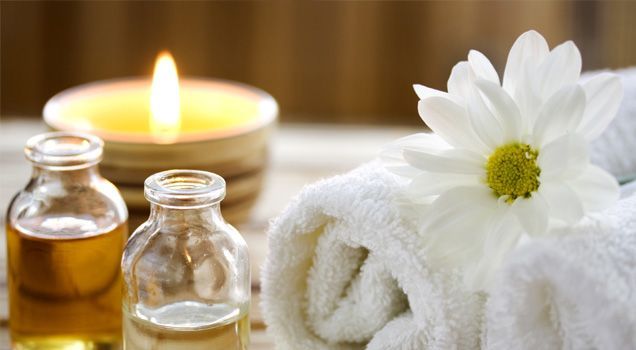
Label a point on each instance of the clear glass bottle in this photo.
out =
(65, 235)
(186, 270)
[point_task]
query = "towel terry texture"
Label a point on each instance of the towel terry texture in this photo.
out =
(345, 270)
(571, 292)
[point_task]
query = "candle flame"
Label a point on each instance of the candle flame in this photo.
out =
(165, 118)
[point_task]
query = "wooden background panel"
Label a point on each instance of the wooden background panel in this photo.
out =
(344, 62)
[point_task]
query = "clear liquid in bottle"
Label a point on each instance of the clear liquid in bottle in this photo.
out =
(186, 270)
(187, 325)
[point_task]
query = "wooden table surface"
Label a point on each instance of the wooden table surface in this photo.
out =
(301, 154)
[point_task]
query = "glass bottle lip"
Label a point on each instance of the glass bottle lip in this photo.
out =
(184, 188)
(63, 150)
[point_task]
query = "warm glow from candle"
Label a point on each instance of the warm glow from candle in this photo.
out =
(165, 116)
(169, 109)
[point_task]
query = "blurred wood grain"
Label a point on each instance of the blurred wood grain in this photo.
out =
(344, 61)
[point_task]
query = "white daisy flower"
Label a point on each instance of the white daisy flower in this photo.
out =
(508, 160)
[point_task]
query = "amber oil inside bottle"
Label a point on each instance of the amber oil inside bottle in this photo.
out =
(65, 293)
(65, 235)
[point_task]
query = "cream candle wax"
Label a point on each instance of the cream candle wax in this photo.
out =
(166, 123)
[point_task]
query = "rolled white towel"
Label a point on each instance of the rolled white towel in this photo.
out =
(345, 271)
(628, 189)
(614, 150)
(573, 292)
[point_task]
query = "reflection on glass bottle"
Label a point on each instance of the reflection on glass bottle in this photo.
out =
(65, 234)
(186, 271)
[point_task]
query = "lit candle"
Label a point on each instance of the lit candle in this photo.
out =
(150, 125)
(165, 108)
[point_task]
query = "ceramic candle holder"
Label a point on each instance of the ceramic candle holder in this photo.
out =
(225, 129)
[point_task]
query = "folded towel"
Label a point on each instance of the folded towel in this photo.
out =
(571, 292)
(615, 149)
(345, 270)
(628, 189)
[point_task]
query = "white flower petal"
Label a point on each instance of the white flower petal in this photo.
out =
(527, 98)
(528, 50)
(503, 236)
(502, 107)
(532, 214)
(426, 92)
(460, 82)
(563, 202)
(392, 155)
(562, 67)
(482, 67)
(456, 225)
(563, 158)
(561, 114)
(450, 121)
(484, 123)
(427, 183)
(596, 188)
(403, 170)
(424, 141)
(603, 93)
(455, 161)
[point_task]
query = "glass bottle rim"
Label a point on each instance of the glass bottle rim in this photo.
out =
(184, 188)
(63, 150)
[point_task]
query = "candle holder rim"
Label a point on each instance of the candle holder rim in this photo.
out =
(268, 112)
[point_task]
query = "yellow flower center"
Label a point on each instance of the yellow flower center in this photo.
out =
(512, 171)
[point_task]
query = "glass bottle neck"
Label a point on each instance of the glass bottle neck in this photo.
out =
(209, 214)
(73, 176)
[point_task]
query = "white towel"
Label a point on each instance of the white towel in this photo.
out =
(345, 270)
(628, 189)
(615, 149)
(572, 292)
